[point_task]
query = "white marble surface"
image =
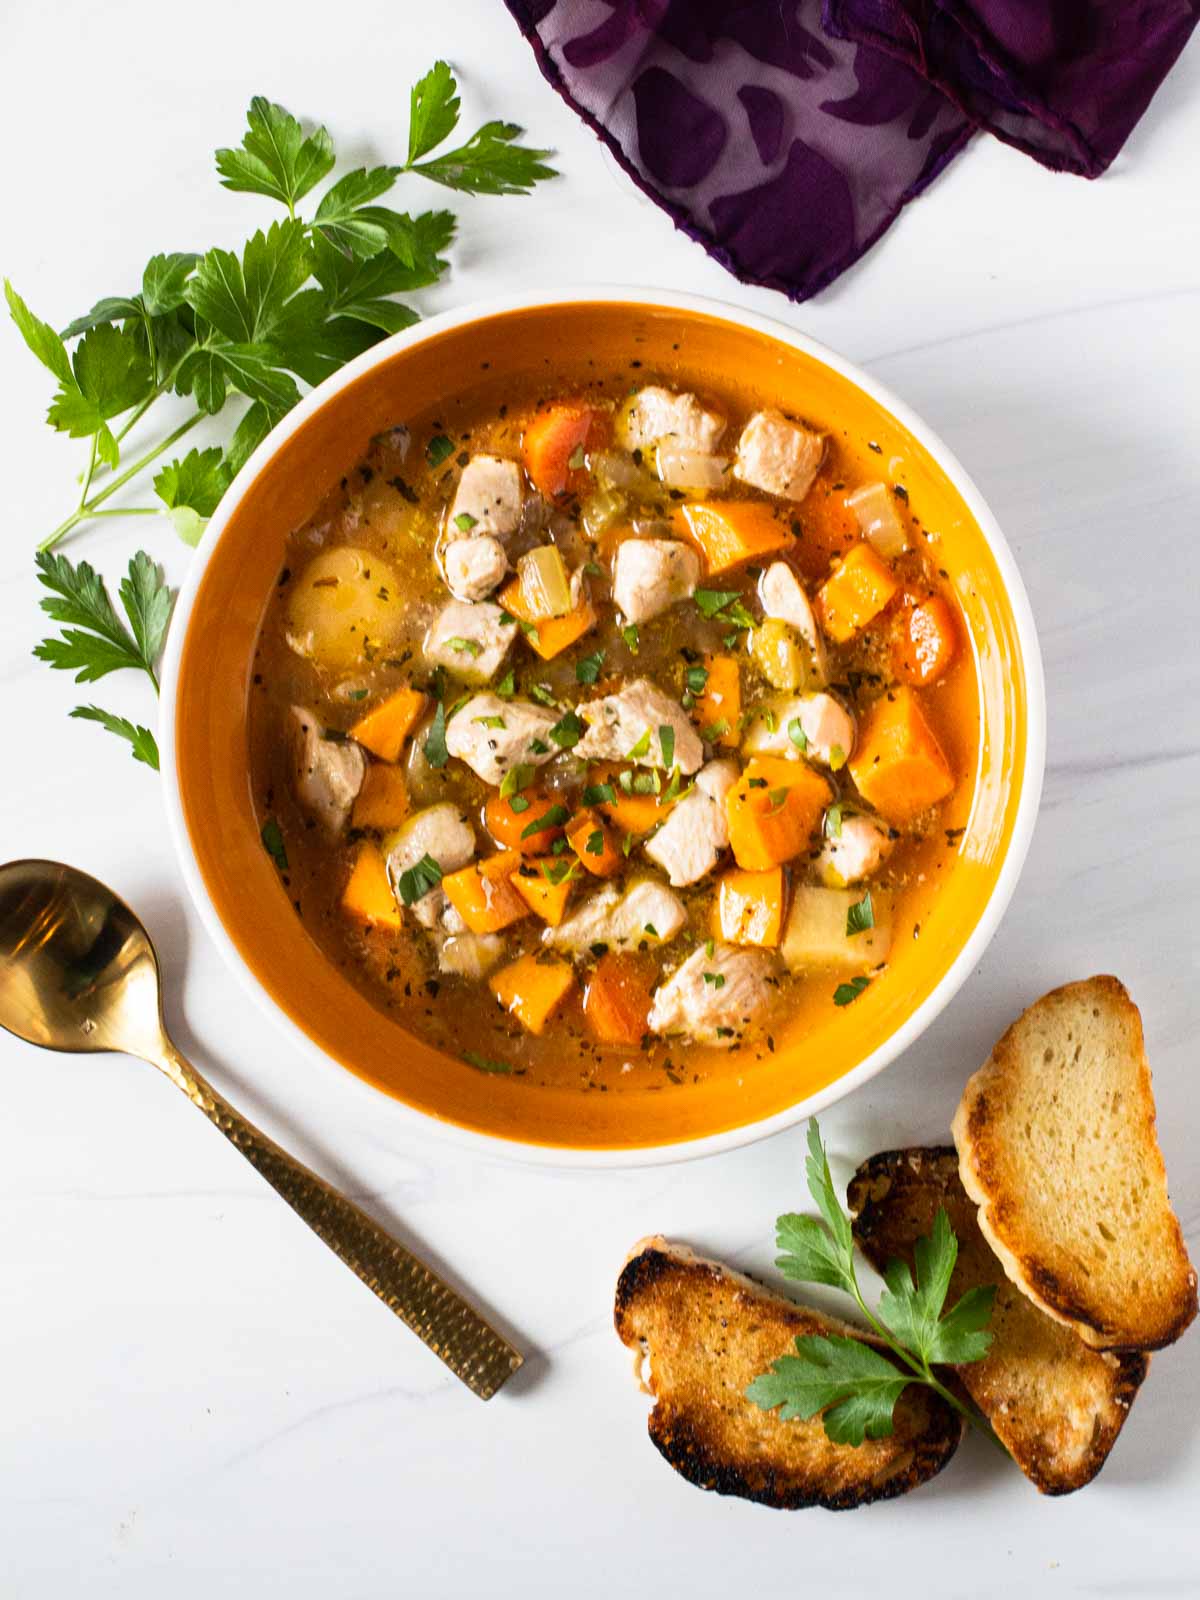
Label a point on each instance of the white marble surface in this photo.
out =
(195, 1395)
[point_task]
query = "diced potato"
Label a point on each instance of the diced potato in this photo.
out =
(815, 938)
(345, 607)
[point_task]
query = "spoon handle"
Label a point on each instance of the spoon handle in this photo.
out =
(440, 1317)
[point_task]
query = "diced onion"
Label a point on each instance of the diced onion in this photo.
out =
(690, 469)
(599, 511)
(545, 586)
(613, 469)
(877, 519)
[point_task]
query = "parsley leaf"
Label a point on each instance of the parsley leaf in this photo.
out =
(419, 879)
(641, 748)
(599, 794)
(666, 743)
(435, 749)
(438, 449)
(96, 641)
(568, 731)
(854, 1385)
(484, 1063)
(797, 735)
(846, 993)
(860, 916)
(911, 1307)
(631, 637)
(491, 162)
(588, 669)
(833, 822)
(553, 818)
(712, 601)
(433, 111)
(191, 489)
(346, 217)
(272, 838)
(507, 686)
(145, 747)
(274, 158)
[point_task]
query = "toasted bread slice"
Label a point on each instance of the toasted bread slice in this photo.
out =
(706, 1333)
(1056, 1404)
(1057, 1146)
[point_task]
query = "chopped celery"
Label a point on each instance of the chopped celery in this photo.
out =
(545, 585)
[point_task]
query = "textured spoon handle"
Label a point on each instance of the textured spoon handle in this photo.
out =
(440, 1318)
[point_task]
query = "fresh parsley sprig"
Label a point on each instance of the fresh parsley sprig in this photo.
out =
(298, 301)
(95, 641)
(854, 1386)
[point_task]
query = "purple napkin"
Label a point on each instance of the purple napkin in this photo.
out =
(785, 135)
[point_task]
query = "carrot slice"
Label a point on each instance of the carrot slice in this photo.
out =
(927, 641)
(533, 988)
(594, 844)
(554, 445)
(507, 823)
(773, 811)
(384, 730)
(382, 801)
(730, 534)
(719, 706)
(616, 1002)
(898, 765)
(549, 636)
(750, 907)
(483, 894)
(856, 591)
(368, 895)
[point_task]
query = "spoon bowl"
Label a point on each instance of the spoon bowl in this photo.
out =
(78, 973)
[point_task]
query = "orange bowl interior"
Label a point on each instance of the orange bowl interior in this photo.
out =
(561, 344)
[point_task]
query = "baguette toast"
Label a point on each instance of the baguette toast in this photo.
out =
(1056, 1404)
(706, 1332)
(1057, 1146)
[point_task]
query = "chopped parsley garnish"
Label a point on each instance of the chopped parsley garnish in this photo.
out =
(641, 748)
(589, 668)
(507, 686)
(568, 731)
(845, 993)
(860, 916)
(272, 838)
(490, 722)
(599, 794)
(527, 628)
(419, 879)
(797, 734)
(723, 605)
(717, 979)
(556, 872)
(549, 820)
(538, 748)
(631, 636)
(464, 521)
(484, 1063)
(542, 692)
(519, 803)
(778, 798)
(709, 946)
(516, 778)
(695, 679)
(626, 844)
(436, 752)
(833, 822)
(651, 930)
(593, 569)
(594, 843)
(715, 730)
(837, 758)
(666, 743)
(575, 459)
(467, 647)
(438, 449)
(359, 694)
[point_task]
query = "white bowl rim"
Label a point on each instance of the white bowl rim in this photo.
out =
(410, 1119)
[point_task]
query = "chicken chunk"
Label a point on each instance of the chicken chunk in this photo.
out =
(469, 640)
(783, 597)
(488, 498)
(627, 726)
(712, 998)
(778, 455)
(492, 735)
(474, 566)
(826, 730)
(655, 413)
(326, 773)
(690, 841)
(444, 834)
(856, 851)
(645, 913)
(652, 575)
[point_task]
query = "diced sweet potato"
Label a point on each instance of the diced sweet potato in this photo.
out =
(549, 636)
(368, 895)
(617, 999)
(729, 534)
(898, 765)
(927, 640)
(773, 811)
(856, 591)
(507, 822)
(750, 907)
(719, 706)
(532, 988)
(554, 443)
(384, 730)
(594, 844)
(545, 886)
(483, 894)
(382, 801)
(630, 813)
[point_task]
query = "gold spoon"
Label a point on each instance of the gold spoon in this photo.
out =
(78, 973)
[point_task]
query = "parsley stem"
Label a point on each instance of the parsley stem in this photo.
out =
(88, 508)
(90, 473)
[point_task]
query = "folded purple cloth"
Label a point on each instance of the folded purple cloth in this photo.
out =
(786, 135)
